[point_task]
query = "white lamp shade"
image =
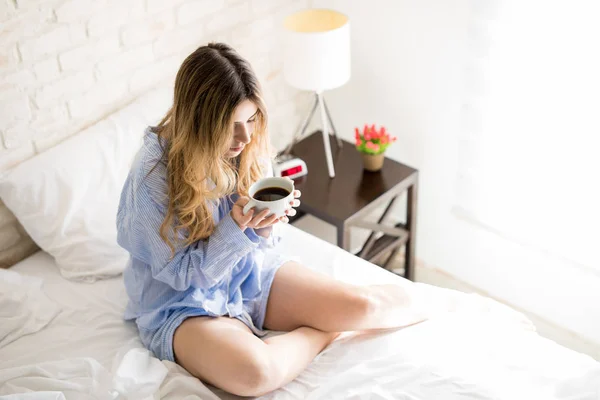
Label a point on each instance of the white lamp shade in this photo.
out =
(317, 50)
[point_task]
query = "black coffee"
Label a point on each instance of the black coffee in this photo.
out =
(271, 194)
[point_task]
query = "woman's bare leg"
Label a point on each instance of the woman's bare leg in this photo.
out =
(302, 297)
(224, 353)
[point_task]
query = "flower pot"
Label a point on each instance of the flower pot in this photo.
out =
(373, 162)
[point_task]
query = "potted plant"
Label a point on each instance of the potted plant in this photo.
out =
(372, 144)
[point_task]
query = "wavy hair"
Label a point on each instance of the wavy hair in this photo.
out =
(197, 132)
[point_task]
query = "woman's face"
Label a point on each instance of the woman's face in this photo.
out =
(244, 117)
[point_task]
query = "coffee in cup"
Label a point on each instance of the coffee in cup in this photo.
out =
(273, 193)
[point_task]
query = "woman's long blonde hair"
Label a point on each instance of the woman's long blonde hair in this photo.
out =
(197, 132)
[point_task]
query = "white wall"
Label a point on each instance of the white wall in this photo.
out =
(408, 73)
(64, 64)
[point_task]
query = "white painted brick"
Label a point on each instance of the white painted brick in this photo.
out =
(283, 92)
(78, 33)
(22, 79)
(8, 93)
(115, 14)
(17, 135)
(217, 37)
(50, 120)
(220, 37)
(267, 47)
(46, 141)
(12, 157)
(262, 68)
(101, 98)
(9, 57)
(276, 55)
(156, 72)
(262, 7)
(180, 38)
(27, 4)
(52, 42)
(252, 31)
(90, 53)
(7, 10)
(14, 107)
(233, 16)
(154, 6)
(259, 48)
(47, 70)
(26, 24)
(289, 7)
(77, 10)
(124, 62)
(268, 96)
(283, 110)
(283, 120)
(195, 10)
(64, 87)
(148, 29)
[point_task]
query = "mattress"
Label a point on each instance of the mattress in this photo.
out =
(482, 350)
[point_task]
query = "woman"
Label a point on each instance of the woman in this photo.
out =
(204, 279)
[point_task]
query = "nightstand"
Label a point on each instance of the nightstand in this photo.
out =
(354, 193)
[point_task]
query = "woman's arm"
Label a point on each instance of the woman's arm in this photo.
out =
(207, 262)
(202, 264)
(268, 237)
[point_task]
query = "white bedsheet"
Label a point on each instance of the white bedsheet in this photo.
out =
(24, 308)
(483, 350)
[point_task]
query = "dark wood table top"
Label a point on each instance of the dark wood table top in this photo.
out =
(335, 200)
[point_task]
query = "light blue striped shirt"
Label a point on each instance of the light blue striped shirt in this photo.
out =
(211, 274)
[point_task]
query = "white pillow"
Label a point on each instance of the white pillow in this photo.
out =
(66, 198)
(24, 308)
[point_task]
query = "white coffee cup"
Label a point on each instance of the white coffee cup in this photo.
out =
(277, 207)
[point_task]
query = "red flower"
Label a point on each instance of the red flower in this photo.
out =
(372, 146)
(375, 133)
(372, 138)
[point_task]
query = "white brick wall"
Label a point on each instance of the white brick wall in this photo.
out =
(189, 11)
(66, 63)
(90, 53)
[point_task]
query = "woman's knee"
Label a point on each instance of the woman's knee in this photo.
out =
(257, 374)
(361, 303)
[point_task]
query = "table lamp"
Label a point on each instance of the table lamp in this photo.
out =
(317, 58)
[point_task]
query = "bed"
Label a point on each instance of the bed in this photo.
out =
(482, 350)
(67, 338)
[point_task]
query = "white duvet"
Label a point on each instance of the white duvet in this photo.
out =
(481, 350)
(24, 308)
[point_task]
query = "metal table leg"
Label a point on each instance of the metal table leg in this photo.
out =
(343, 236)
(411, 224)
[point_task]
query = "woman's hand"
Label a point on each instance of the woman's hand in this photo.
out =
(261, 222)
(252, 219)
(292, 211)
(266, 231)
